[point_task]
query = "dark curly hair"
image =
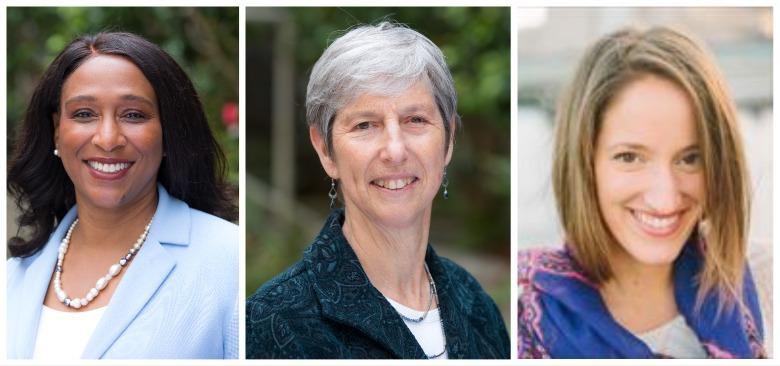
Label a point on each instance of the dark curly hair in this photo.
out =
(193, 166)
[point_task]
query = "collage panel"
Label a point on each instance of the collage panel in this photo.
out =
(645, 197)
(386, 131)
(122, 183)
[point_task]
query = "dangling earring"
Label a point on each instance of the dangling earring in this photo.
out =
(444, 183)
(333, 194)
(56, 152)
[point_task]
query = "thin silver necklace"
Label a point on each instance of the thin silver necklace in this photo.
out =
(433, 293)
(443, 335)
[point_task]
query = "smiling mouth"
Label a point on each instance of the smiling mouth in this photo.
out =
(662, 225)
(657, 222)
(394, 184)
(108, 168)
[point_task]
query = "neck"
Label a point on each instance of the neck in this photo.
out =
(639, 296)
(392, 257)
(101, 227)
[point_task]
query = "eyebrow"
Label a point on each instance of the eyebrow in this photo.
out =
(422, 107)
(360, 114)
(137, 98)
(640, 147)
(127, 97)
(425, 108)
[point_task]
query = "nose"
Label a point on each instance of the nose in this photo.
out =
(664, 193)
(108, 135)
(394, 143)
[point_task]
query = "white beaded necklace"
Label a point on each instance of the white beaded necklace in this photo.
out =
(102, 282)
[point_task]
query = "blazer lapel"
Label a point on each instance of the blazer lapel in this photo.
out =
(25, 312)
(148, 271)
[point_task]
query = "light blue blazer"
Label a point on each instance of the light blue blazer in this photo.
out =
(178, 298)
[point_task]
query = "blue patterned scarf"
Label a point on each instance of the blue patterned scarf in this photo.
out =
(561, 313)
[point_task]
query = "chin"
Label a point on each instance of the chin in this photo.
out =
(656, 253)
(105, 197)
(399, 216)
(107, 202)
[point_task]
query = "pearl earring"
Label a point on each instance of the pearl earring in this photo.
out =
(56, 152)
(444, 183)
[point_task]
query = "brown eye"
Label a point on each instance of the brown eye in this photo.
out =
(134, 116)
(83, 114)
(691, 159)
(417, 119)
(626, 157)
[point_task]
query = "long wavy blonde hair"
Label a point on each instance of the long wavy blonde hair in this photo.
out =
(608, 66)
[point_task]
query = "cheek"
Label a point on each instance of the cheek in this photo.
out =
(607, 184)
(429, 149)
(148, 140)
(615, 189)
(350, 160)
(70, 135)
(694, 186)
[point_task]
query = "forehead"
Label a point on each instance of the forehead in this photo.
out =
(416, 98)
(106, 75)
(650, 111)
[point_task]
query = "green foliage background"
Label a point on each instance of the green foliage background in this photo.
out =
(204, 41)
(475, 220)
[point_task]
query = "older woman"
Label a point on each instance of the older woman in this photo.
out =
(119, 180)
(651, 184)
(381, 107)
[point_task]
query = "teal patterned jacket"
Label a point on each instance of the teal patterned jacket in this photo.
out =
(324, 306)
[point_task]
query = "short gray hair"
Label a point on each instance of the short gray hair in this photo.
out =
(386, 58)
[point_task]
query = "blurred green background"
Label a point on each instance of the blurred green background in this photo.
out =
(286, 187)
(204, 41)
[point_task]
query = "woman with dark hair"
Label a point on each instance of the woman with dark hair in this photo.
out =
(115, 168)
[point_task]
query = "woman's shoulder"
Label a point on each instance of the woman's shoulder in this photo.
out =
(213, 226)
(459, 275)
(175, 214)
(211, 238)
(277, 294)
(284, 318)
(16, 266)
(466, 285)
(532, 261)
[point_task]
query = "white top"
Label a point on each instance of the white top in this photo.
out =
(64, 335)
(675, 339)
(429, 333)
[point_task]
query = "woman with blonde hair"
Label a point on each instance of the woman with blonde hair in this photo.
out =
(651, 186)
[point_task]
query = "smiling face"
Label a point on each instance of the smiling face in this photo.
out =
(108, 133)
(649, 176)
(388, 155)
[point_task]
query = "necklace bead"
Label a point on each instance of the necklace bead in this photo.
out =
(102, 282)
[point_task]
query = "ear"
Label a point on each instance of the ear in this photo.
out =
(319, 144)
(451, 146)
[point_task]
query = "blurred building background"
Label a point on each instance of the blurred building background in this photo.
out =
(203, 41)
(550, 44)
(287, 188)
